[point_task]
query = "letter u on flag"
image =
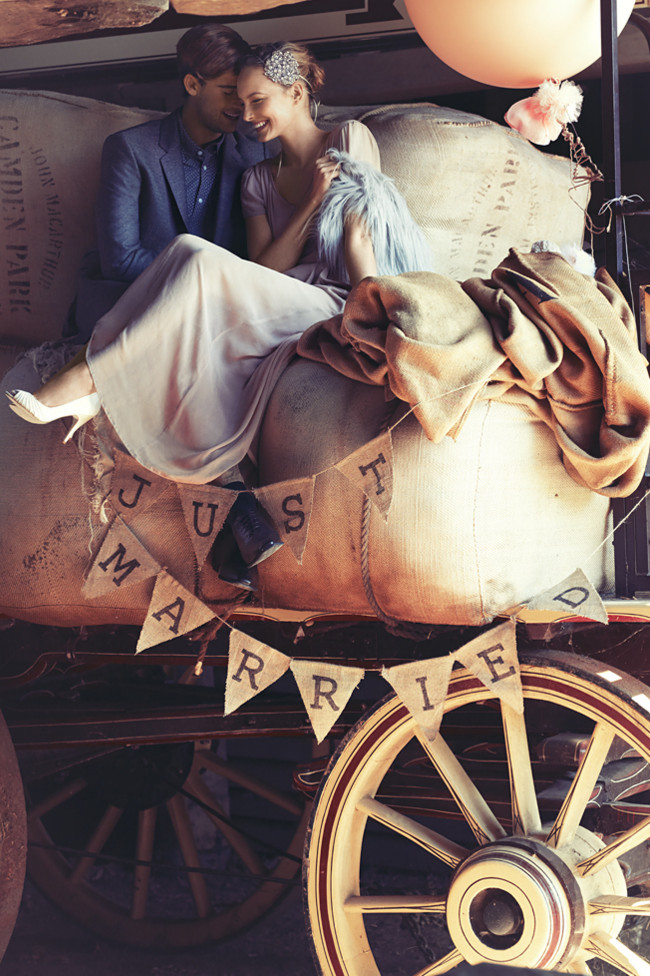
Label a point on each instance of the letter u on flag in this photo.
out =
(173, 611)
(370, 468)
(205, 508)
(422, 686)
(492, 657)
(252, 667)
(325, 690)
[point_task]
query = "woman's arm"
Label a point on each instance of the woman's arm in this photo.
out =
(284, 251)
(358, 250)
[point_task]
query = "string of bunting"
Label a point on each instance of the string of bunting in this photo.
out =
(253, 666)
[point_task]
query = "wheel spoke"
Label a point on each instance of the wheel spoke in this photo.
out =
(183, 828)
(441, 847)
(225, 769)
(443, 965)
(610, 904)
(56, 799)
(237, 841)
(143, 852)
(525, 810)
(473, 806)
(620, 845)
(95, 845)
(611, 950)
(395, 904)
(576, 966)
(582, 785)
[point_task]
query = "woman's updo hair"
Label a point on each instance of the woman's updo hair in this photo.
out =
(286, 63)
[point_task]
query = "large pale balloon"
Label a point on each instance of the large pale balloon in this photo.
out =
(513, 43)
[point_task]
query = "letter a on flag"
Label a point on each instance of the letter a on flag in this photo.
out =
(422, 686)
(576, 594)
(492, 657)
(370, 468)
(173, 611)
(289, 504)
(325, 690)
(205, 508)
(134, 488)
(252, 667)
(121, 561)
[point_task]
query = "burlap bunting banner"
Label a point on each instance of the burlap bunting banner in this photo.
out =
(205, 508)
(325, 690)
(252, 667)
(289, 504)
(422, 686)
(492, 657)
(370, 468)
(173, 611)
(576, 594)
(121, 561)
(134, 488)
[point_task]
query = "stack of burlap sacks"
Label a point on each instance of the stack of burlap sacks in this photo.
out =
(477, 525)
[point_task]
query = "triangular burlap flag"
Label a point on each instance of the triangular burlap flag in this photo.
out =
(422, 686)
(325, 690)
(121, 561)
(252, 667)
(370, 468)
(492, 657)
(289, 505)
(134, 489)
(576, 594)
(173, 611)
(205, 508)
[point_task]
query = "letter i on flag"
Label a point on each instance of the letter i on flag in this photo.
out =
(252, 667)
(422, 686)
(325, 690)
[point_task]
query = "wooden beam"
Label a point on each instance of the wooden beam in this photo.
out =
(226, 8)
(34, 21)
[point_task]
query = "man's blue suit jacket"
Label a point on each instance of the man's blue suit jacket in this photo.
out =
(141, 207)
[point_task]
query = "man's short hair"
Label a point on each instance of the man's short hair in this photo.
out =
(208, 50)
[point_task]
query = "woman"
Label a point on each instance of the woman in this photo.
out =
(185, 362)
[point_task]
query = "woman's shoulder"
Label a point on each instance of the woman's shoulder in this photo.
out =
(356, 139)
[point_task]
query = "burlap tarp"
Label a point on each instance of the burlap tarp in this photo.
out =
(537, 332)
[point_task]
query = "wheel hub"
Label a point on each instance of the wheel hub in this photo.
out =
(141, 777)
(516, 902)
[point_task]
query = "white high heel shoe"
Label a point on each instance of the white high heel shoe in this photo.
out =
(29, 408)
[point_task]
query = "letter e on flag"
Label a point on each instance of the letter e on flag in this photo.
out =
(492, 657)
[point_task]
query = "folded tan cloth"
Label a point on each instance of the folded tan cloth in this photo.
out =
(537, 332)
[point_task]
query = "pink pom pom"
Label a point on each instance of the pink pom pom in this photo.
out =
(541, 117)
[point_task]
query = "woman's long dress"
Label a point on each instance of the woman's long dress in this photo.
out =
(186, 361)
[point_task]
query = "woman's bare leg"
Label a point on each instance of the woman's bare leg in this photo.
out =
(70, 383)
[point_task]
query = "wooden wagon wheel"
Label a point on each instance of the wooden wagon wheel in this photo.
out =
(13, 837)
(116, 841)
(549, 892)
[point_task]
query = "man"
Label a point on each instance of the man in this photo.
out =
(174, 175)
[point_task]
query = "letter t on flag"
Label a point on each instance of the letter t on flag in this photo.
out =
(422, 686)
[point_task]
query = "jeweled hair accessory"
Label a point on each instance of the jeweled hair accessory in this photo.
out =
(282, 68)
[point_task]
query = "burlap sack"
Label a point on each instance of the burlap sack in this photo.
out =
(475, 187)
(476, 525)
(50, 150)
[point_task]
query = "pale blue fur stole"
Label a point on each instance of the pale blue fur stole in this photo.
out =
(360, 189)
